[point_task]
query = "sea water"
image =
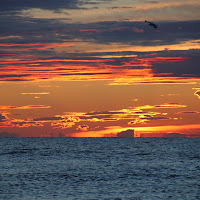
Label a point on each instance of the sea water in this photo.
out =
(100, 168)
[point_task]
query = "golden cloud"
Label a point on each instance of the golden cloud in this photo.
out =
(23, 107)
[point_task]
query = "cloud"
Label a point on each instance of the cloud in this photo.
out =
(6, 134)
(135, 33)
(70, 48)
(94, 11)
(188, 112)
(2, 118)
(35, 93)
(21, 123)
(24, 47)
(90, 68)
(85, 120)
(144, 118)
(13, 76)
(66, 122)
(154, 118)
(133, 115)
(127, 33)
(10, 5)
(127, 133)
(161, 106)
(197, 93)
(88, 30)
(48, 119)
(23, 107)
(138, 30)
(82, 127)
(185, 69)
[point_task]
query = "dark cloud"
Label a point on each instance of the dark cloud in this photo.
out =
(13, 5)
(132, 33)
(2, 118)
(173, 64)
(104, 113)
(25, 123)
(18, 79)
(47, 118)
(137, 33)
(26, 30)
(127, 133)
(186, 68)
(14, 75)
(188, 112)
(155, 118)
(87, 74)
(119, 7)
(6, 134)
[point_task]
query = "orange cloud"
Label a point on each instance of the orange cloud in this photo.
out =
(24, 123)
(20, 123)
(88, 30)
(66, 122)
(82, 127)
(151, 80)
(110, 131)
(34, 46)
(135, 115)
(165, 105)
(160, 131)
(197, 93)
(118, 70)
(138, 30)
(23, 107)
(35, 93)
(30, 61)
(154, 131)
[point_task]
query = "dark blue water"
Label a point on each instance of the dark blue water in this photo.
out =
(100, 168)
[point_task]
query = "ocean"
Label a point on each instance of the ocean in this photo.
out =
(100, 168)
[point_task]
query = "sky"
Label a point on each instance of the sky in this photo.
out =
(95, 68)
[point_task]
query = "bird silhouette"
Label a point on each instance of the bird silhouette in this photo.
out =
(152, 24)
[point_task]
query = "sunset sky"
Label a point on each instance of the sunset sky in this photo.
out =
(94, 68)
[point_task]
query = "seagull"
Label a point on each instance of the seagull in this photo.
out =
(152, 24)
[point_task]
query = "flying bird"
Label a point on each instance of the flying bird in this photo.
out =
(152, 24)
